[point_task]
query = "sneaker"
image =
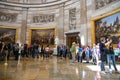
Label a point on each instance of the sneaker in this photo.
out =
(117, 72)
(103, 72)
(110, 70)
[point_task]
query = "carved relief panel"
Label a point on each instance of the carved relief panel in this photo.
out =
(72, 18)
(44, 18)
(101, 3)
(8, 17)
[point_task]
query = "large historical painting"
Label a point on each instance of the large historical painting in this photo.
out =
(108, 27)
(7, 35)
(43, 36)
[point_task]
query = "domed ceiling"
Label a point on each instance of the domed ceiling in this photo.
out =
(32, 1)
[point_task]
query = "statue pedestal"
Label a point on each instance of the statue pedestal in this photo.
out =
(55, 52)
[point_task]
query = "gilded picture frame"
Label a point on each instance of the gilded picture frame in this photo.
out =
(8, 34)
(42, 36)
(107, 25)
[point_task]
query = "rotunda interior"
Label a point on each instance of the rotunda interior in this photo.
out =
(27, 26)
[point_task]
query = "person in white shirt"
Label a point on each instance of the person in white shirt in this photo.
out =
(47, 49)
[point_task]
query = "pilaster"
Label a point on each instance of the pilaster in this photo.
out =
(24, 25)
(83, 22)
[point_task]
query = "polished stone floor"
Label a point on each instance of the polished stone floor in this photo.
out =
(52, 69)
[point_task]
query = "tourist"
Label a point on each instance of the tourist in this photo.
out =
(47, 50)
(80, 53)
(72, 49)
(77, 52)
(42, 52)
(102, 54)
(94, 54)
(111, 56)
(87, 53)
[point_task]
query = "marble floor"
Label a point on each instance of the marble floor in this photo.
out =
(52, 69)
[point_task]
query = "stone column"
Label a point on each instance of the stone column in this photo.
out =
(24, 26)
(83, 22)
(60, 30)
(61, 24)
(90, 10)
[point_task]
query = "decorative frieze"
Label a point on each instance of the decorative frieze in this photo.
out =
(44, 18)
(8, 17)
(72, 18)
(101, 3)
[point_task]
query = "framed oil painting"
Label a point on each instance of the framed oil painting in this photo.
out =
(107, 26)
(8, 35)
(43, 36)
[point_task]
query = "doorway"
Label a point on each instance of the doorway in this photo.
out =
(72, 37)
(71, 40)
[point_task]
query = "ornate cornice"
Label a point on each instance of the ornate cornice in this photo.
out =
(27, 5)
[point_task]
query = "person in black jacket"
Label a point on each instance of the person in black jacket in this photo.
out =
(9, 50)
(16, 48)
(25, 50)
(111, 56)
(2, 55)
(102, 54)
(42, 52)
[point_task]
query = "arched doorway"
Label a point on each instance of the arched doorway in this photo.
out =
(72, 37)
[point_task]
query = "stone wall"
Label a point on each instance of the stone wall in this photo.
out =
(74, 4)
(85, 11)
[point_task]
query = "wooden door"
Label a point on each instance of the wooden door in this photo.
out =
(71, 40)
(72, 37)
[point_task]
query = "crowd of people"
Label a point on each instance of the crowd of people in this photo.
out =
(98, 54)
(77, 53)
(34, 51)
(107, 53)
(103, 52)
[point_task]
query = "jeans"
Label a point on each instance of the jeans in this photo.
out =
(70, 55)
(47, 54)
(87, 58)
(78, 56)
(103, 59)
(36, 53)
(102, 65)
(109, 58)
